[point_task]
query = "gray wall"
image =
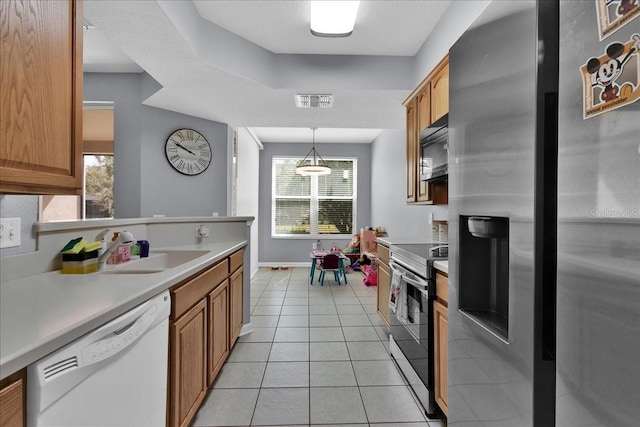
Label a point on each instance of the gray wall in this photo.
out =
(25, 208)
(457, 18)
(283, 250)
(145, 184)
(388, 206)
(388, 202)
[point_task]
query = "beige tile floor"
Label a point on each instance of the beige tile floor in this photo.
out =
(318, 356)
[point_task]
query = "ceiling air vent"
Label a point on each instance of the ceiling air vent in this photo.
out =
(314, 101)
(87, 25)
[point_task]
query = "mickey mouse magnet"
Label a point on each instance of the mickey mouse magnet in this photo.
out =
(615, 14)
(612, 80)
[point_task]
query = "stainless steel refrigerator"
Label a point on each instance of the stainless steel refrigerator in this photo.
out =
(544, 206)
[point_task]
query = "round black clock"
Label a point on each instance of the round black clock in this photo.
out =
(188, 151)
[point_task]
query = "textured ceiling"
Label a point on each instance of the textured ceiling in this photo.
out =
(242, 62)
(394, 28)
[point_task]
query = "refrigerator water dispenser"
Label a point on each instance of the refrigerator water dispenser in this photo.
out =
(484, 272)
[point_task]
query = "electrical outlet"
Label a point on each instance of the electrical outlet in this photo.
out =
(9, 232)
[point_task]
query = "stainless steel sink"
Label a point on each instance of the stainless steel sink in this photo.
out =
(134, 271)
(157, 262)
(169, 259)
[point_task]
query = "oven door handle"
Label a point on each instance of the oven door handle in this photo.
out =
(410, 278)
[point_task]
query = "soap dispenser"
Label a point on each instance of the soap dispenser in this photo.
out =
(103, 244)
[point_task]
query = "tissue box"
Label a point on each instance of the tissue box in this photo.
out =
(80, 263)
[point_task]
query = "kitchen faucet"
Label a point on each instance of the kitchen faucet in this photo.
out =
(124, 238)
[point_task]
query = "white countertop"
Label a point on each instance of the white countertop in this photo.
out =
(404, 240)
(442, 266)
(43, 312)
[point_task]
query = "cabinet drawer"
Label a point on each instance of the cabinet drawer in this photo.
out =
(236, 260)
(383, 253)
(185, 296)
(12, 394)
(442, 287)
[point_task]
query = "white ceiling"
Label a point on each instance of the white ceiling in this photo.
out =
(245, 61)
(395, 28)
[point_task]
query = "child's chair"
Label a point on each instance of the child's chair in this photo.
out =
(330, 262)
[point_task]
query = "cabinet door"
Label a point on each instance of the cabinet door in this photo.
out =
(218, 329)
(440, 325)
(235, 306)
(412, 151)
(12, 391)
(384, 284)
(440, 93)
(41, 97)
(188, 365)
(424, 107)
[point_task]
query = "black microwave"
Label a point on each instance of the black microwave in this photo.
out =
(434, 154)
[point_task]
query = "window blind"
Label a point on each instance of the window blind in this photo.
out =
(314, 206)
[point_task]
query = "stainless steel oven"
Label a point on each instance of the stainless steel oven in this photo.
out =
(411, 321)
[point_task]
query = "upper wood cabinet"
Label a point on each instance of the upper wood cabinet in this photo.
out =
(41, 97)
(424, 107)
(412, 151)
(440, 91)
(428, 103)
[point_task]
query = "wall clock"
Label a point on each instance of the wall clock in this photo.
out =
(188, 151)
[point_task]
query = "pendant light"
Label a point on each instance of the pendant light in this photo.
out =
(315, 168)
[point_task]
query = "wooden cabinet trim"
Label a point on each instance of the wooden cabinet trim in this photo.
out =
(440, 325)
(184, 403)
(412, 152)
(442, 287)
(185, 295)
(236, 260)
(235, 306)
(384, 285)
(383, 253)
(218, 326)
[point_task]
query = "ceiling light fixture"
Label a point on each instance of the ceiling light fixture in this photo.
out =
(333, 18)
(314, 168)
(314, 100)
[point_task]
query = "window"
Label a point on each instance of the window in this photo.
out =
(98, 186)
(97, 196)
(313, 206)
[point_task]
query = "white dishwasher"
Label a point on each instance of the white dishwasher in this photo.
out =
(115, 375)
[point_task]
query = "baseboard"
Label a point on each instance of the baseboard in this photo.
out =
(246, 329)
(284, 264)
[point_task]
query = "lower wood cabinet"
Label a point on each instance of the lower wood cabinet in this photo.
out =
(235, 304)
(384, 282)
(218, 329)
(12, 400)
(188, 371)
(440, 326)
(206, 319)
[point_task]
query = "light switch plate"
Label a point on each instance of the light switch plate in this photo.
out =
(9, 232)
